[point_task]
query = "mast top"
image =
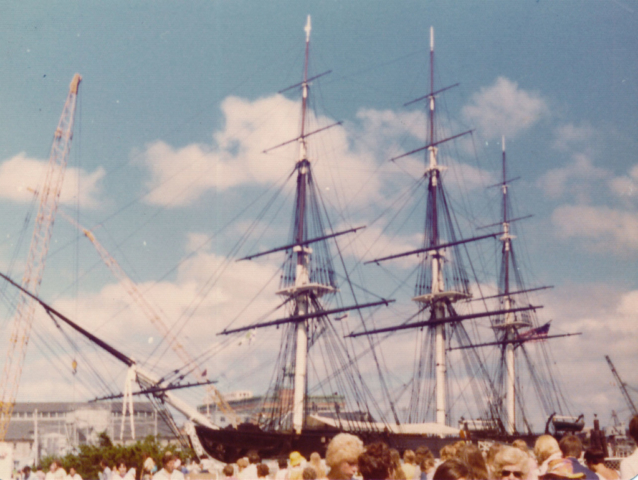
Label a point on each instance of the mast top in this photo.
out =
(307, 29)
(431, 38)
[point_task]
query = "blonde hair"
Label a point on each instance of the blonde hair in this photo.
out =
(315, 462)
(343, 447)
(545, 446)
(242, 463)
(447, 452)
(521, 445)
(510, 456)
(409, 456)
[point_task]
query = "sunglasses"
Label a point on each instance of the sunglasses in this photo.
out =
(507, 473)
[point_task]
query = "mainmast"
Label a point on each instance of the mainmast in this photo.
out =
(438, 283)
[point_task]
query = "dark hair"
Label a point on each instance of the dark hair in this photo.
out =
(228, 470)
(262, 470)
(26, 469)
(571, 446)
(282, 462)
(594, 456)
(309, 473)
(633, 428)
(451, 469)
(120, 462)
(168, 456)
(473, 459)
(253, 457)
(375, 461)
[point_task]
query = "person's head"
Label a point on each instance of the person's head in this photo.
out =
(594, 457)
(72, 471)
(471, 456)
(282, 463)
(309, 473)
(561, 469)
(447, 452)
(375, 462)
(27, 470)
(545, 447)
(452, 469)
(121, 467)
(242, 463)
(511, 464)
(571, 446)
(409, 456)
(253, 458)
(262, 470)
(315, 458)
(54, 466)
(168, 462)
(228, 470)
(633, 428)
(296, 459)
(421, 454)
(342, 454)
(103, 464)
(521, 445)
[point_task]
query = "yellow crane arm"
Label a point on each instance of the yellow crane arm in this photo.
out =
(49, 199)
(150, 312)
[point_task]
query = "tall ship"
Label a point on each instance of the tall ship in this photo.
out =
(455, 390)
(447, 301)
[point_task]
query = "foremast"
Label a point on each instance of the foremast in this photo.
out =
(302, 289)
(308, 275)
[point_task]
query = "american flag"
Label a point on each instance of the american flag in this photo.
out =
(535, 334)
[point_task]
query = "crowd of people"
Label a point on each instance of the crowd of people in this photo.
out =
(347, 458)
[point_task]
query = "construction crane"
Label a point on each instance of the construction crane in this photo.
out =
(623, 387)
(49, 196)
(156, 319)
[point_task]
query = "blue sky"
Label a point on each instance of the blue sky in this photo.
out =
(177, 101)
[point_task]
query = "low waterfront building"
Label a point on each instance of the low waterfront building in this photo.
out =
(38, 429)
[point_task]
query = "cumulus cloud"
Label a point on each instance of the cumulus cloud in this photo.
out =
(616, 230)
(573, 137)
(606, 317)
(504, 109)
(576, 180)
(179, 176)
(20, 176)
(626, 186)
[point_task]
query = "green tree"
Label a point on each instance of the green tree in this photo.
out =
(87, 459)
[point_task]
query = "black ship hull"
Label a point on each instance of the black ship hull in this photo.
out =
(230, 444)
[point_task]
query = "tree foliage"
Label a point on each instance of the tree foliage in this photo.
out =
(86, 460)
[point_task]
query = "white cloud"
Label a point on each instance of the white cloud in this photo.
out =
(604, 227)
(504, 109)
(574, 137)
(606, 317)
(235, 157)
(625, 187)
(576, 180)
(20, 176)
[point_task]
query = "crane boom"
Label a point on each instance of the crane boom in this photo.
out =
(49, 199)
(623, 387)
(152, 314)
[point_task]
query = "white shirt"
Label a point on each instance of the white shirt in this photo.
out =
(164, 475)
(629, 466)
